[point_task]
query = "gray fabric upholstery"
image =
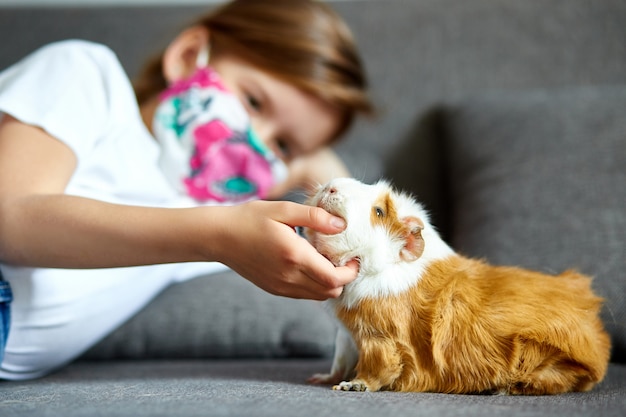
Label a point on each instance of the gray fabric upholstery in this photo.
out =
(538, 179)
(420, 55)
(222, 316)
(268, 389)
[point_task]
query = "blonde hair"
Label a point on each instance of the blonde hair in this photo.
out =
(303, 42)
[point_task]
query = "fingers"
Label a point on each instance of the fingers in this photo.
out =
(324, 222)
(291, 266)
(307, 274)
(329, 279)
(346, 274)
(312, 217)
(343, 276)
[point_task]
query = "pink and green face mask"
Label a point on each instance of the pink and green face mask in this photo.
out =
(208, 148)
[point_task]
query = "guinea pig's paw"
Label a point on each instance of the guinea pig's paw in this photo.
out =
(354, 385)
(324, 379)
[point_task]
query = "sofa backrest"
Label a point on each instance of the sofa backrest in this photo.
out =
(418, 53)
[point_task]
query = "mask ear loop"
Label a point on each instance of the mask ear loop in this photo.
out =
(202, 59)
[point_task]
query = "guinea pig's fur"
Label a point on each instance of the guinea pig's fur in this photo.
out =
(420, 317)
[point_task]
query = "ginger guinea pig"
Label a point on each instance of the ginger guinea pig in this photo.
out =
(420, 317)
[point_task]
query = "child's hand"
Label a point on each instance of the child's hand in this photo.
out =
(259, 242)
(309, 171)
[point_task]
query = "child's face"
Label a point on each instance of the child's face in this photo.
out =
(288, 120)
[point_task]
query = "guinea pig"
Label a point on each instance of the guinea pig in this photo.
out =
(421, 317)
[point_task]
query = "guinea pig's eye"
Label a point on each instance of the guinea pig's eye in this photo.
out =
(379, 212)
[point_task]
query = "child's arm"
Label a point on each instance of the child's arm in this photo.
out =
(41, 226)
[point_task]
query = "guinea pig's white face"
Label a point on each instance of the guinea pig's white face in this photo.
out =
(383, 226)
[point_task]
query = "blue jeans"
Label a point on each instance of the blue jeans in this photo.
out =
(6, 296)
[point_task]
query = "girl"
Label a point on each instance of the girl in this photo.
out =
(95, 176)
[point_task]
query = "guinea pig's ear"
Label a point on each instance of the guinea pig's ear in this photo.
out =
(413, 240)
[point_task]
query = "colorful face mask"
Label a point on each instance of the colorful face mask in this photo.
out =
(208, 148)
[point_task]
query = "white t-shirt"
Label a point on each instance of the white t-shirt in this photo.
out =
(78, 92)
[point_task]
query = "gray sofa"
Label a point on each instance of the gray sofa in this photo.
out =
(506, 118)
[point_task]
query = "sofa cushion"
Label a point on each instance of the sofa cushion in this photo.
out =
(221, 316)
(538, 179)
